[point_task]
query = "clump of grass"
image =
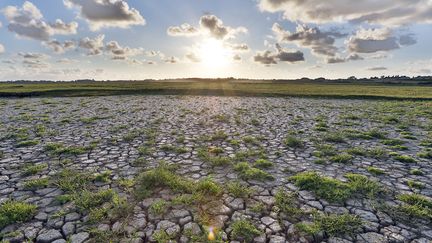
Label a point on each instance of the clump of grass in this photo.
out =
(332, 225)
(263, 164)
(27, 143)
(427, 154)
(86, 200)
(377, 153)
(130, 136)
(393, 142)
(59, 148)
(250, 140)
(399, 147)
(390, 120)
(288, 203)
(144, 150)
(324, 150)
(375, 171)
(221, 118)
(334, 190)
(376, 133)
(334, 137)
(244, 230)
(293, 142)
(174, 149)
(161, 236)
(258, 208)
(357, 151)
(255, 122)
(249, 173)
(416, 172)
(15, 212)
(342, 158)
(404, 158)
(415, 205)
(71, 180)
(207, 155)
(36, 183)
(216, 150)
(90, 120)
(34, 169)
(159, 207)
(161, 176)
(238, 190)
(219, 135)
(207, 188)
(103, 177)
(415, 184)
(65, 198)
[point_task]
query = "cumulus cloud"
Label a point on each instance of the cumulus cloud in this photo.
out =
(60, 47)
(34, 60)
(121, 53)
(182, 30)
(269, 57)
(106, 13)
(93, 46)
(2, 49)
(376, 40)
(193, 57)
(27, 21)
(266, 57)
(66, 61)
(320, 42)
(243, 47)
(385, 12)
(338, 59)
(237, 57)
(33, 55)
(217, 29)
(208, 24)
(172, 60)
(377, 69)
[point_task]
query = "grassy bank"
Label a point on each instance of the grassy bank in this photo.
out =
(308, 89)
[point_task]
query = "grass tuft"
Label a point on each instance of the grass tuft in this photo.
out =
(15, 212)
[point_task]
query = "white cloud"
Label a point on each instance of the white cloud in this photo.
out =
(34, 60)
(377, 40)
(182, 30)
(268, 57)
(121, 53)
(172, 60)
(217, 29)
(209, 25)
(320, 42)
(93, 46)
(28, 22)
(191, 56)
(385, 12)
(2, 49)
(33, 55)
(378, 68)
(59, 47)
(107, 13)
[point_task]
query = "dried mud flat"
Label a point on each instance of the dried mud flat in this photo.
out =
(183, 168)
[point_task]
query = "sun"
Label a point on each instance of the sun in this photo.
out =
(213, 54)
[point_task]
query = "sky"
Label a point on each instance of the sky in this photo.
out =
(258, 39)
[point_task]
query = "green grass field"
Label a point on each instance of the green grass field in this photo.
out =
(310, 89)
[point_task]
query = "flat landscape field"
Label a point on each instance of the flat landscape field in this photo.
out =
(353, 89)
(183, 168)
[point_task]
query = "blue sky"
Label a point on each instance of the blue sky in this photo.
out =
(139, 39)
